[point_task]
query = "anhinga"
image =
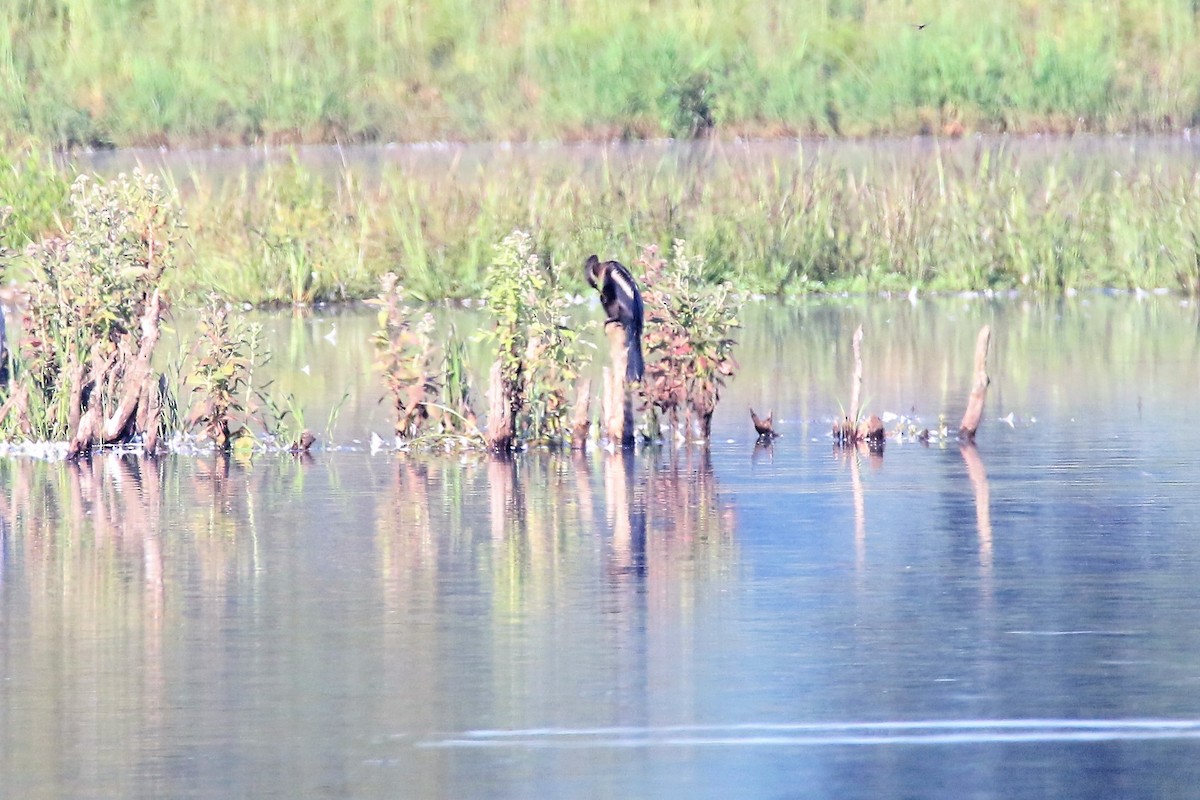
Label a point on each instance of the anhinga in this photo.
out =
(623, 303)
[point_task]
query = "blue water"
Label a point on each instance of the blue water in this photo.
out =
(1016, 620)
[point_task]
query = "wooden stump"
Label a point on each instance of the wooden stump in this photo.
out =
(618, 400)
(581, 417)
(979, 386)
(501, 418)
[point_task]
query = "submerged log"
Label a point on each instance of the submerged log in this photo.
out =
(979, 386)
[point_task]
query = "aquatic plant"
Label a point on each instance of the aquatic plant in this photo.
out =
(688, 338)
(220, 376)
(963, 216)
(83, 368)
(405, 358)
(431, 396)
(556, 356)
(513, 281)
(225, 399)
(539, 354)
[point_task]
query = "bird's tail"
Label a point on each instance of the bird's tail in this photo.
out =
(635, 368)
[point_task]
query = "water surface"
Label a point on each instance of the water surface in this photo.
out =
(1013, 620)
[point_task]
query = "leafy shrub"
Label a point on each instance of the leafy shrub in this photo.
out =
(540, 355)
(405, 358)
(93, 316)
(432, 400)
(688, 340)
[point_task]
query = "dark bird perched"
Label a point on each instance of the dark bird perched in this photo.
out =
(765, 428)
(623, 303)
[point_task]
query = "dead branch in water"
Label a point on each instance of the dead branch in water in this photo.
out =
(979, 386)
(856, 383)
(851, 430)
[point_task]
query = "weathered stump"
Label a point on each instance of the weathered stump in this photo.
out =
(979, 386)
(581, 417)
(618, 399)
(502, 420)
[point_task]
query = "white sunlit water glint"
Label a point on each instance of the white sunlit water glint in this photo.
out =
(804, 734)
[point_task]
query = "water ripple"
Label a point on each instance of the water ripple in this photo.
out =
(815, 734)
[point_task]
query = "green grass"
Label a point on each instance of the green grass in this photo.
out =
(121, 72)
(33, 195)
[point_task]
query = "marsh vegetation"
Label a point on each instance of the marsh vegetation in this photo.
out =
(84, 370)
(968, 216)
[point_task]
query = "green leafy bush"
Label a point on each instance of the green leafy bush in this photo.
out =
(93, 315)
(688, 338)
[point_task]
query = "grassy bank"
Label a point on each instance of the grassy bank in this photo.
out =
(181, 71)
(985, 219)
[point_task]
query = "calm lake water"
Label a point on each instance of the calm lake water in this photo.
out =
(1015, 620)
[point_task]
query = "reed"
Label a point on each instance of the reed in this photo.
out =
(33, 197)
(987, 219)
(987, 222)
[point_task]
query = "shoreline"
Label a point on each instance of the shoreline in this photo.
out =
(217, 145)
